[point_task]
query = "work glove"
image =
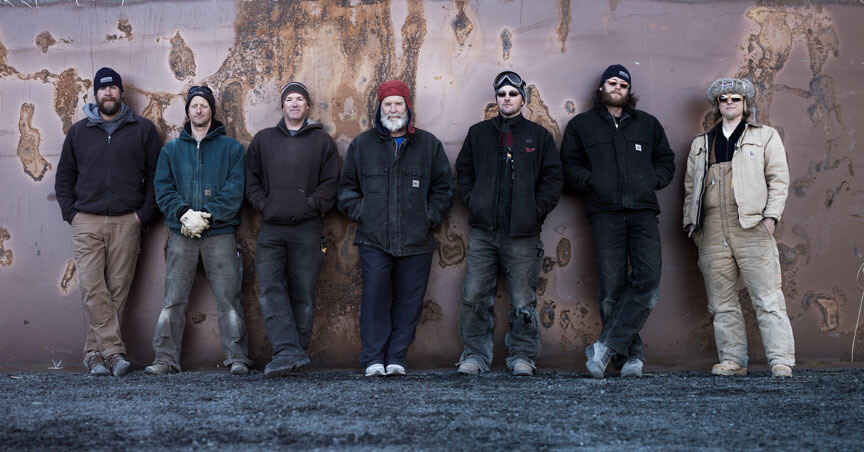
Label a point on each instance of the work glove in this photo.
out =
(195, 223)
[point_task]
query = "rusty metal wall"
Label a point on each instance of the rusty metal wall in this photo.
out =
(805, 59)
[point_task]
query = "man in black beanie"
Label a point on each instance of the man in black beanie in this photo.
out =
(104, 186)
(619, 156)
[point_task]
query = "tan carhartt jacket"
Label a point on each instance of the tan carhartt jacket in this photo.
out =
(760, 177)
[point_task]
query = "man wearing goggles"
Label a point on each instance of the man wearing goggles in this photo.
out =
(734, 193)
(619, 156)
(199, 188)
(509, 177)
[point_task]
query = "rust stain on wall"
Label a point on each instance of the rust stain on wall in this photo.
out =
(563, 252)
(535, 110)
(34, 164)
(124, 26)
(44, 41)
(563, 23)
(70, 276)
(462, 25)
(431, 312)
(154, 111)
(828, 307)
(547, 314)
(5, 69)
(181, 59)
(506, 43)
(451, 250)
(66, 92)
(197, 318)
(570, 107)
(5, 255)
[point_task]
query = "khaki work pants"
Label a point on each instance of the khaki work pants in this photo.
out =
(106, 252)
(726, 250)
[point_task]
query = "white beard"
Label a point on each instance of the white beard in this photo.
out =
(394, 125)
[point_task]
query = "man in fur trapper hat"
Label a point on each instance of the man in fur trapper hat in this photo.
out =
(735, 190)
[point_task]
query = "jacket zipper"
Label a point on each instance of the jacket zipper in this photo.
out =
(198, 175)
(108, 175)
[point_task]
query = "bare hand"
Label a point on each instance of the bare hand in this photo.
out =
(769, 225)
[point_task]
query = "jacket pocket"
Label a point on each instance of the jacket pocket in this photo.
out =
(375, 179)
(373, 218)
(415, 222)
(287, 206)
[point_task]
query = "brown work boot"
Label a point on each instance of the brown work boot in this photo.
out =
(781, 371)
(117, 364)
(95, 365)
(728, 367)
(159, 369)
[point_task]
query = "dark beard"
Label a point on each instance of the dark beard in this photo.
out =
(108, 110)
(618, 103)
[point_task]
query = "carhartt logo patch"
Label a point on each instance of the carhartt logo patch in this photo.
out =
(415, 183)
(207, 192)
(106, 80)
(638, 147)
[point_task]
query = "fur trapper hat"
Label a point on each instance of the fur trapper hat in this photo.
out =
(731, 86)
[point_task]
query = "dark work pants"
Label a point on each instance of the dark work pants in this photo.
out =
(287, 261)
(391, 304)
(626, 299)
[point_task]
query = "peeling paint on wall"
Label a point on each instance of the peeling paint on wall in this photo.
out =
(34, 164)
(44, 41)
(828, 307)
(563, 23)
(66, 91)
(70, 276)
(452, 250)
(462, 25)
(181, 59)
(124, 26)
(5, 255)
(506, 44)
(431, 312)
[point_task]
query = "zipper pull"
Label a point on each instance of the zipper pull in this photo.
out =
(109, 139)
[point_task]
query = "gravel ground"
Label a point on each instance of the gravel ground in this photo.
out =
(432, 410)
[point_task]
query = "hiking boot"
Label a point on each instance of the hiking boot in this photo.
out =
(376, 370)
(159, 369)
(598, 355)
(781, 371)
(522, 368)
(632, 368)
(468, 368)
(728, 367)
(239, 368)
(95, 365)
(395, 370)
(278, 367)
(117, 364)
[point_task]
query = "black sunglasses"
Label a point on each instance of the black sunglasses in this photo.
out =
(508, 93)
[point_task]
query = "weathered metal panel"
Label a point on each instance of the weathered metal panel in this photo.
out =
(802, 56)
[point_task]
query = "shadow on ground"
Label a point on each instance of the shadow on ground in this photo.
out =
(432, 410)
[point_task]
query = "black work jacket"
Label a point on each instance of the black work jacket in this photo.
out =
(536, 175)
(396, 195)
(619, 167)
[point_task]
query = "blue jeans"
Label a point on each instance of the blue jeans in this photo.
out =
(519, 259)
(626, 299)
(391, 304)
(223, 267)
(287, 261)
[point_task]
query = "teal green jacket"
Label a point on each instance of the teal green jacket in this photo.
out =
(206, 176)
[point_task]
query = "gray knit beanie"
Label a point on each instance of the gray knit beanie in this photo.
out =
(731, 86)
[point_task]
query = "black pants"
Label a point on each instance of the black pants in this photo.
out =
(626, 298)
(391, 305)
(287, 261)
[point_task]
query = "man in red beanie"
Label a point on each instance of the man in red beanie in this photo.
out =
(396, 184)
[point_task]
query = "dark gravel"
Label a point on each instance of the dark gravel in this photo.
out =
(432, 410)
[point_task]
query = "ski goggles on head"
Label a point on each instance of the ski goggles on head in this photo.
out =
(508, 78)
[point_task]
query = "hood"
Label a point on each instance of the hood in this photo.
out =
(92, 113)
(216, 129)
(307, 126)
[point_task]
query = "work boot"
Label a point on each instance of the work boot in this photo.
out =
(781, 371)
(117, 364)
(239, 368)
(632, 368)
(468, 368)
(395, 370)
(598, 355)
(728, 367)
(376, 370)
(278, 367)
(95, 365)
(522, 368)
(159, 369)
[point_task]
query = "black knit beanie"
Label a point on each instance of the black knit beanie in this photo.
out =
(106, 77)
(616, 70)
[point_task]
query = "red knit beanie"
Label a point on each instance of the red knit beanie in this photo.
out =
(395, 88)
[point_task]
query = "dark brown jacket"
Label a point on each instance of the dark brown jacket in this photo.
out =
(290, 179)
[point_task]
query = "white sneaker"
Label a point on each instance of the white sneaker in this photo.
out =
(375, 370)
(395, 370)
